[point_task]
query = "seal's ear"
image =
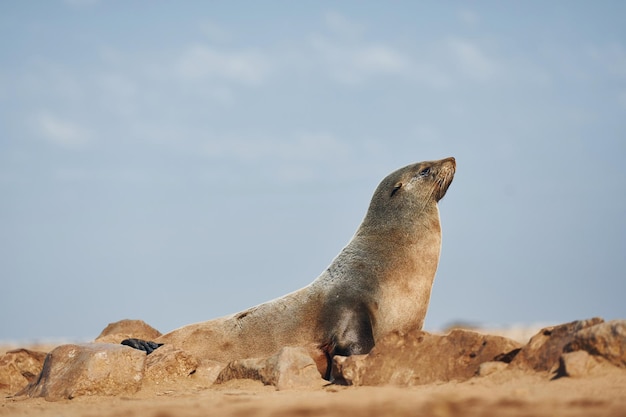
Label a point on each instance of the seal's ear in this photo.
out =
(396, 188)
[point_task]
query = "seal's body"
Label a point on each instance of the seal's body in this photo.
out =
(380, 282)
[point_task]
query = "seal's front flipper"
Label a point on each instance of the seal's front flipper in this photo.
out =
(352, 335)
(145, 345)
(353, 332)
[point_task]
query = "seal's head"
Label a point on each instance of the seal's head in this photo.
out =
(404, 195)
(421, 182)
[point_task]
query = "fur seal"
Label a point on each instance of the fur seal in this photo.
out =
(380, 282)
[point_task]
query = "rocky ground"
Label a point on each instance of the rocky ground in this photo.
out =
(576, 369)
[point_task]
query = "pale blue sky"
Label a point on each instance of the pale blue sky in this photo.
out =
(179, 161)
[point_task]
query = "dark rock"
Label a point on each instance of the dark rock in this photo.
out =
(543, 351)
(606, 340)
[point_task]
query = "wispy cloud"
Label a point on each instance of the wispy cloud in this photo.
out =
(346, 58)
(357, 63)
(63, 133)
(201, 61)
(471, 59)
(344, 54)
(297, 158)
(307, 146)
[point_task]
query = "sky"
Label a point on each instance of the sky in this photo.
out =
(179, 161)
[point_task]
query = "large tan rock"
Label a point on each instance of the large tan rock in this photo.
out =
(169, 364)
(208, 371)
(577, 364)
(418, 357)
(290, 367)
(18, 368)
(88, 369)
(126, 329)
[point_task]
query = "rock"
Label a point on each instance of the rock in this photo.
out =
(543, 351)
(168, 364)
(207, 371)
(126, 329)
(576, 364)
(290, 367)
(88, 369)
(18, 368)
(346, 368)
(491, 367)
(418, 357)
(606, 340)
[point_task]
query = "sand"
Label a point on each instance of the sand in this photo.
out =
(506, 393)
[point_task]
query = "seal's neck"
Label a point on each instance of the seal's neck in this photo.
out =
(408, 230)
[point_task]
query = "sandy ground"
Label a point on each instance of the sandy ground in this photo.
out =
(507, 393)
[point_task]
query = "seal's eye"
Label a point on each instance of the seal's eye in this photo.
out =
(396, 188)
(425, 172)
